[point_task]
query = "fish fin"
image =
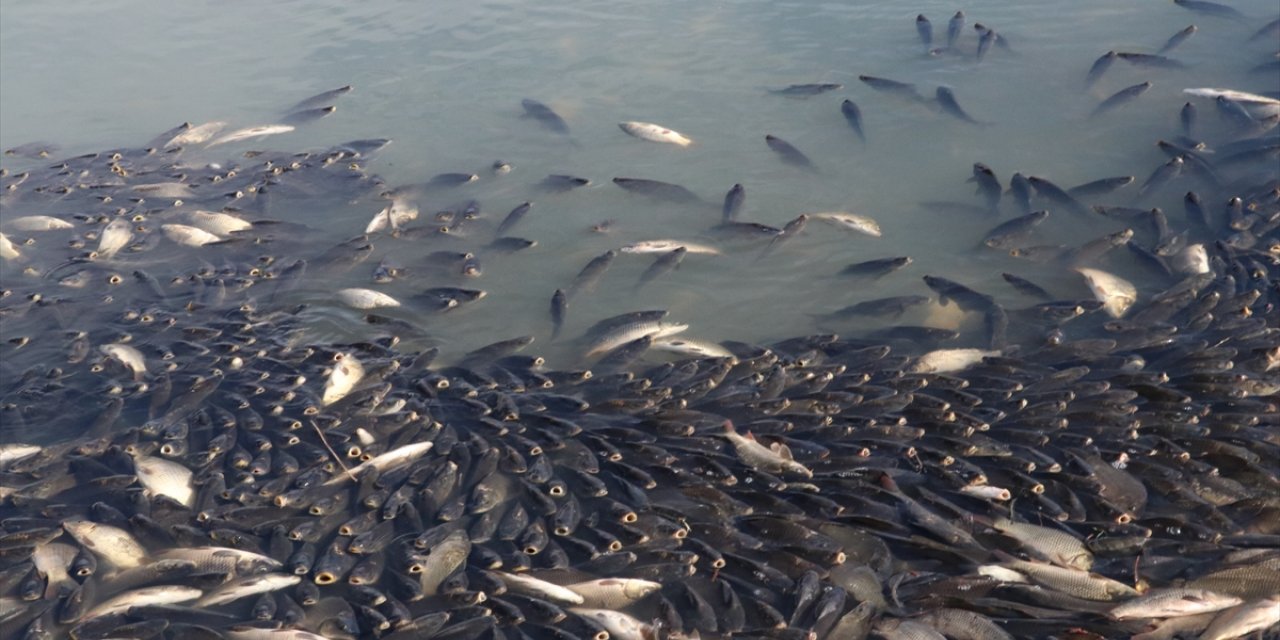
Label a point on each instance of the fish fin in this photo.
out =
(782, 450)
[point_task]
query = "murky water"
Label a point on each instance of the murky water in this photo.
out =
(445, 83)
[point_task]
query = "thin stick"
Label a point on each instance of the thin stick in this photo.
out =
(336, 458)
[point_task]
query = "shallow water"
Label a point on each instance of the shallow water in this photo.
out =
(446, 83)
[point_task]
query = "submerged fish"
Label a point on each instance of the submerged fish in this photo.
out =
(788, 153)
(544, 114)
(851, 221)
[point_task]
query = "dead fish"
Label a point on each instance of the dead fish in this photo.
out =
(8, 250)
(1169, 603)
(1116, 294)
(115, 236)
(248, 586)
(775, 458)
(613, 593)
(655, 133)
(147, 596)
(851, 221)
(252, 132)
(1240, 621)
(195, 135)
(188, 236)
(346, 374)
(218, 223)
(392, 216)
(545, 115)
(788, 153)
(165, 478)
(358, 298)
(950, 360)
(37, 223)
(117, 546)
(667, 246)
(131, 358)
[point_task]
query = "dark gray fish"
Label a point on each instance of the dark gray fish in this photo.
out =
(513, 218)
(664, 264)
(307, 116)
(35, 150)
(789, 230)
(747, 229)
(853, 115)
(874, 269)
(445, 298)
(893, 306)
(1015, 230)
(657, 189)
(914, 333)
(452, 179)
(1162, 176)
(806, 90)
(542, 113)
(1270, 29)
(1234, 113)
(1020, 188)
(1100, 186)
(925, 29)
(491, 352)
(562, 182)
(321, 99)
(386, 271)
(988, 185)
(1210, 8)
(1121, 97)
(559, 307)
(1027, 287)
(591, 274)
(733, 203)
(622, 356)
(901, 89)
(1092, 250)
(1055, 194)
(947, 99)
(1099, 67)
(954, 27)
(986, 37)
(964, 297)
(510, 244)
(1188, 118)
(1150, 60)
(788, 153)
(1178, 38)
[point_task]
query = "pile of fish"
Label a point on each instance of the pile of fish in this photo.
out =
(181, 458)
